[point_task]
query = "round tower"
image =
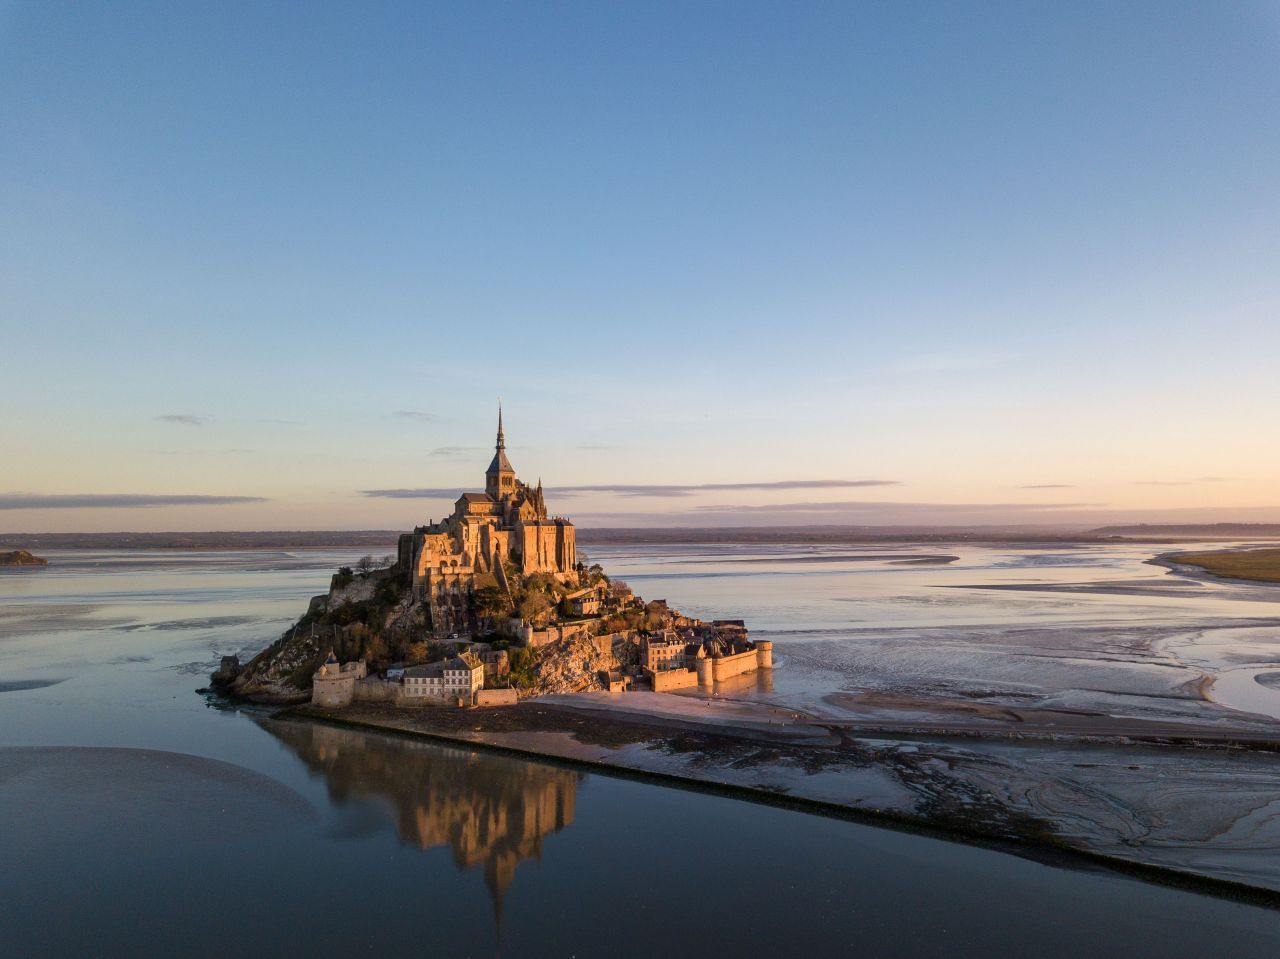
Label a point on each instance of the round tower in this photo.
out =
(702, 662)
(764, 654)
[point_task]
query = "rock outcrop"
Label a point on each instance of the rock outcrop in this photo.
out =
(568, 666)
(20, 557)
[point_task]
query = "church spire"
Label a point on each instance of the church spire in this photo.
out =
(500, 478)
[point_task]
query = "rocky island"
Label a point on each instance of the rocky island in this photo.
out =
(20, 557)
(487, 607)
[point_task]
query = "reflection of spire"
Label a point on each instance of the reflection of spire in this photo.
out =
(490, 811)
(499, 871)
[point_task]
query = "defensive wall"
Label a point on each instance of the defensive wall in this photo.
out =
(717, 669)
(541, 637)
(667, 680)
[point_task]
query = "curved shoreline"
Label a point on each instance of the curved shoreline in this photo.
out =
(1171, 562)
(1032, 841)
(1240, 682)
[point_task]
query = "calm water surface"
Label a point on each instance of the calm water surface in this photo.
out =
(141, 820)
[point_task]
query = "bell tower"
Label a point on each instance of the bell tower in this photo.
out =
(500, 477)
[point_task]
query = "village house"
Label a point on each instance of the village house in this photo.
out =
(451, 680)
(585, 601)
(664, 650)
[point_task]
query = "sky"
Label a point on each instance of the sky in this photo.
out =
(270, 266)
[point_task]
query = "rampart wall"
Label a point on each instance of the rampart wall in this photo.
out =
(666, 680)
(726, 667)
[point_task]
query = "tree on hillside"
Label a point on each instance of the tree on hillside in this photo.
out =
(533, 605)
(491, 601)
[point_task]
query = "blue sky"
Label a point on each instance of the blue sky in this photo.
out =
(1010, 262)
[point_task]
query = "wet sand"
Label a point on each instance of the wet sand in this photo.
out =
(147, 794)
(1138, 800)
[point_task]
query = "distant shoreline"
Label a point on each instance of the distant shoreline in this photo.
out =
(385, 539)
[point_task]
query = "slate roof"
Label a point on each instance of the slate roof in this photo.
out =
(500, 463)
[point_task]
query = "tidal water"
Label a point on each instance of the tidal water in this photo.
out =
(139, 818)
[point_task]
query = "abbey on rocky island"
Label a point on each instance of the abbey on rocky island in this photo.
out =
(507, 523)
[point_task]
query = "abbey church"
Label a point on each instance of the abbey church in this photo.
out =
(506, 524)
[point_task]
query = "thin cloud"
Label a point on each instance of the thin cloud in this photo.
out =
(454, 450)
(1049, 486)
(692, 489)
(413, 415)
(924, 516)
(636, 489)
(442, 492)
(117, 500)
(185, 419)
(631, 489)
(1162, 483)
(876, 506)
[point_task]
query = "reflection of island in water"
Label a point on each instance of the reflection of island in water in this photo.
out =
(488, 810)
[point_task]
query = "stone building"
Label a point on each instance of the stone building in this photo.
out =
(448, 681)
(665, 650)
(585, 601)
(506, 524)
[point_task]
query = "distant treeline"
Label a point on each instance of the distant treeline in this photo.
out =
(805, 535)
(383, 541)
(1219, 530)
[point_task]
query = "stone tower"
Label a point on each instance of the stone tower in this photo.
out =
(500, 477)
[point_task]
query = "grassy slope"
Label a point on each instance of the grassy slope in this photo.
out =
(1260, 565)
